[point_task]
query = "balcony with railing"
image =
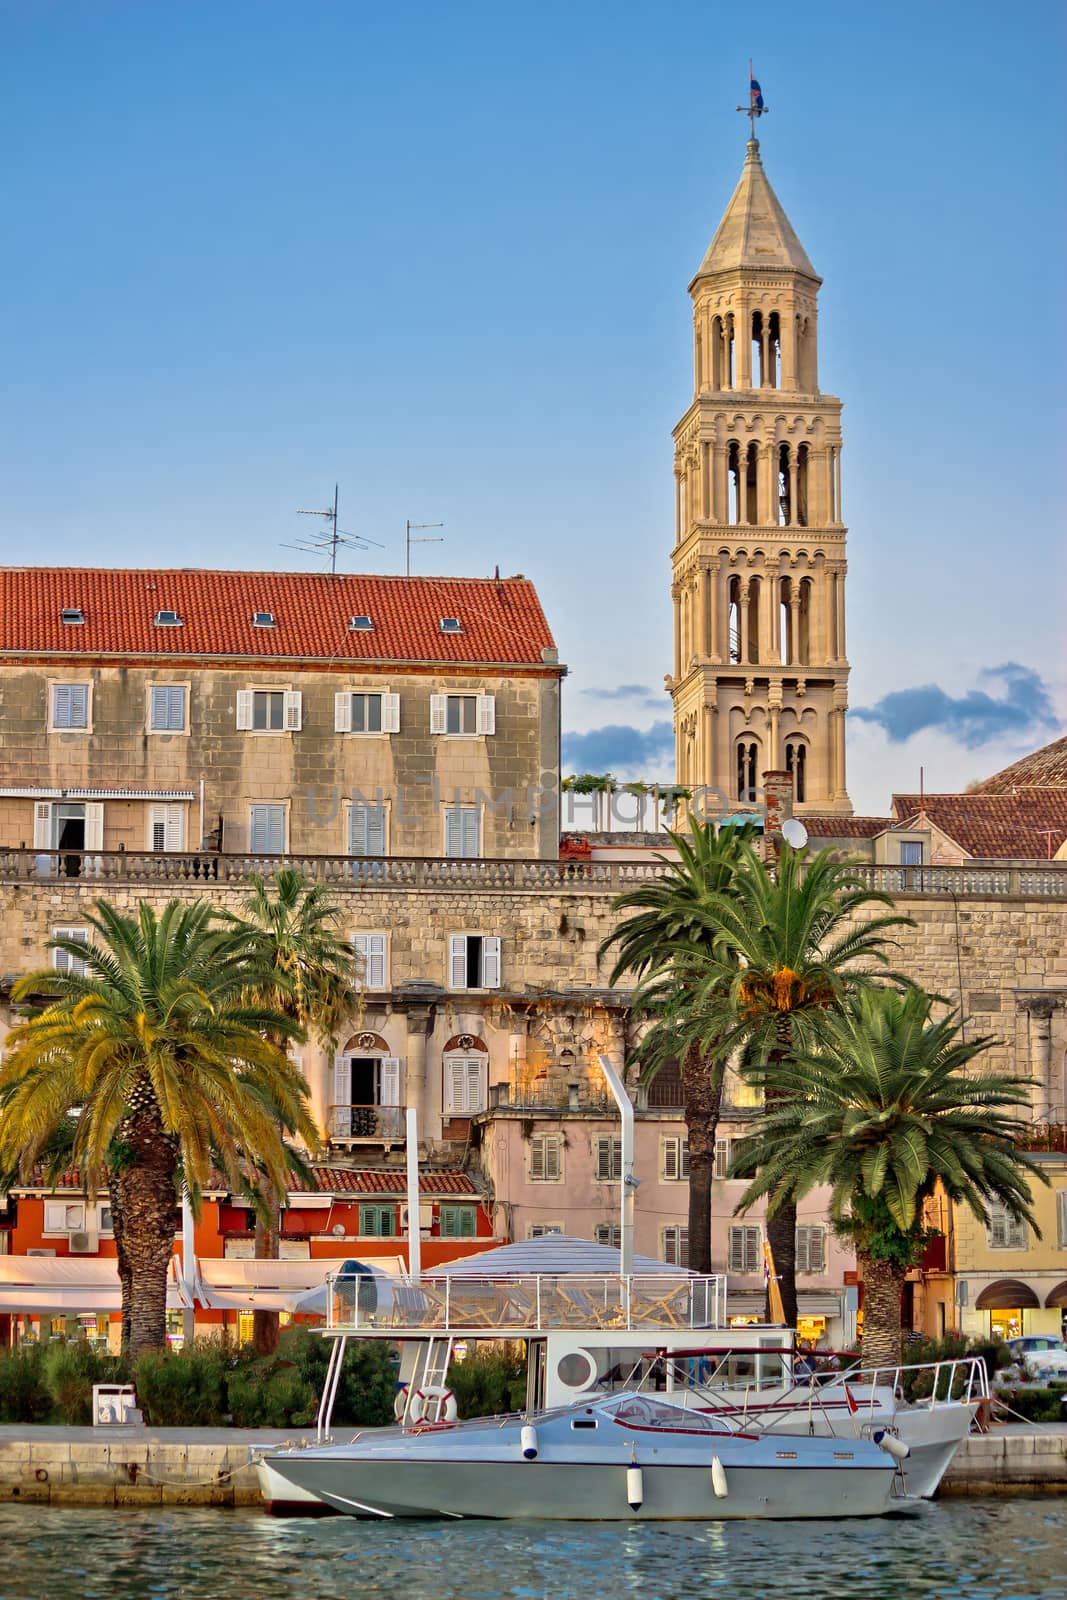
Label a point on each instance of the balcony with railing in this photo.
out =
(373, 1124)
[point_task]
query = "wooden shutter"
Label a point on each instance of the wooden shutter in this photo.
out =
(486, 713)
(244, 709)
(439, 713)
(94, 826)
(389, 1081)
(744, 1248)
(537, 1157)
(604, 1149)
(293, 704)
(375, 831)
(390, 713)
(371, 946)
(470, 826)
(475, 1084)
(42, 825)
(366, 830)
(457, 1087)
(341, 1120)
(816, 1250)
(61, 705)
(801, 1249)
(166, 827)
(457, 961)
(722, 1157)
(342, 711)
(1061, 1217)
(267, 833)
(461, 831)
(490, 961)
(671, 1165)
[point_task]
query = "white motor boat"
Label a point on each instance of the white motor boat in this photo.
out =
(626, 1457)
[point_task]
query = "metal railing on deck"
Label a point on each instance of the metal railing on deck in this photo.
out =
(525, 1303)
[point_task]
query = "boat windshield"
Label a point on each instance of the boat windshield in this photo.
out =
(642, 1411)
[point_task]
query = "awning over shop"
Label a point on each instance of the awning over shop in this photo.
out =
(1007, 1294)
(270, 1285)
(54, 1285)
(1058, 1295)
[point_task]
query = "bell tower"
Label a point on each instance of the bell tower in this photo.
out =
(760, 678)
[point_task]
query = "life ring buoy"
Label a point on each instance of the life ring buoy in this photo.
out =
(435, 1403)
(400, 1402)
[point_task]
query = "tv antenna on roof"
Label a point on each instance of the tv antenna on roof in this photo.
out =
(409, 541)
(331, 538)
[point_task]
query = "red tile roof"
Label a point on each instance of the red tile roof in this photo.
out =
(1041, 769)
(994, 826)
(501, 618)
(844, 827)
(345, 1180)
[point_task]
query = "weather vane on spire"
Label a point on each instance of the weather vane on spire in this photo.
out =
(755, 107)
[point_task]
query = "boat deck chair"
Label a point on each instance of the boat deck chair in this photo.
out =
(669, 1307)
(415, 1305)
(577, 1308)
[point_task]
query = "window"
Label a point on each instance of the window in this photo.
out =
(911, 853)
(463, 715)
(372, 948)
(747, 758)
(166, 708)
(72, 616)
(722, 1158)
(263, 619)
(269, 710)
(70, 706)
(456, 1222)
(1061, 1218)
(473, 961)
(463, 831)
(607, 1158)
(366, 829)
(367, 1097)
(168, 619)
(450, 625)
(68, 825)
(63, 960)
(267, 831)
(546, 1158)
(363, 711)
(674, 1163)
(746, 1254)
(1003, 1232)
(811, 1249)
(676, 1247)
(63, 1217)
(166, 828)
(378, 1222)
(796, 762)
(609, 1233)
(537, 1230)
(465, 1079)
(105, 1223)
(360, 625)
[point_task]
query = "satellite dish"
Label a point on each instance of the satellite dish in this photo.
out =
(794, 833)
(338, 1230)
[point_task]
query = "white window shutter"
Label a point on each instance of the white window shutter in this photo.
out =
(389, 1081)
(342, 1084)
(42, 825)
(55, 1217)
(722, 1157)
(475, 1086)
(457, 1087)
(244, 709)
(376, 962)
(294, 702)
(375, 845)
(490, 962)
(470, 831)
(1061, 1217)
(61, 704)
(342, 711)
(486, 713)
(538, 1145)
(553, 1164)
(670, 1158)
(453, 832)
(390, 713)
(817, 1250)
(457, 961)
(801, 1250)
(438, 713)
(94, 825)
(267, 832)
(357, 829)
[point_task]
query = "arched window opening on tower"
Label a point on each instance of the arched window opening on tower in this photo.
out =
(716, 353)
(785, 623)
(796, 763)
(804, 623)
(729, 355)
(698, 359)
(752, 483)
(802, 485)
(734, 492)
(735, 620)
(747, 762)
(753, 619)
(785, 509)
(759, 351)
(774, 351)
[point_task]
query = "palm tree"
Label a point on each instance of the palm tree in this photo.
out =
(670, 927)
(790, 944)
(167, 1069)
(884, 1113)
(303, 969)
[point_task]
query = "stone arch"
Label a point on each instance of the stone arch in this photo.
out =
(1007, 1294)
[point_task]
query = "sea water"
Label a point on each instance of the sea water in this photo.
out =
(1010, 1549)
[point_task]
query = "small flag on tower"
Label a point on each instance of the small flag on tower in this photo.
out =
(755, 92)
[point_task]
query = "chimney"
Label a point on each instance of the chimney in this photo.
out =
(777, 801)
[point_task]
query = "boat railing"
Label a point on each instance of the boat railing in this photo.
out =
(524, 1303)
(962, 1380)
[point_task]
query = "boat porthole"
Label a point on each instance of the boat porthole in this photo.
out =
(575, 1369)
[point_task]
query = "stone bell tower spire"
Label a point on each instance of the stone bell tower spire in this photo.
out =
(760, 677)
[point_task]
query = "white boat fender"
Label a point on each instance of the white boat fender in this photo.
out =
(635, 1488)
(529, 1443)
(892, 1445)
(435, 1403)
(718, 1479)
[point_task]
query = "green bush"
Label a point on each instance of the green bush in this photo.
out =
(268, 1392)
(368, 1377)
(1036, 1405)
(24, 1395)
(184, 1388)
(488, 1382)
(70, 1370)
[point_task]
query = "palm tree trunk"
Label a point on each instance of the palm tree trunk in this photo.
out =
(883, 1285)
(266, 1325)
(782, 1238)
(702, 1081)
(148, 1207)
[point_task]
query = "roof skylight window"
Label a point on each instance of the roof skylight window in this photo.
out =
(450, 625)
(360, 625)
(168, 619)
(263, 619)
(73, 615)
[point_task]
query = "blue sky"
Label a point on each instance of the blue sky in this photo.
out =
(440, 253)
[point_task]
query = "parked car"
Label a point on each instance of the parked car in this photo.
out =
(1034, 1343)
